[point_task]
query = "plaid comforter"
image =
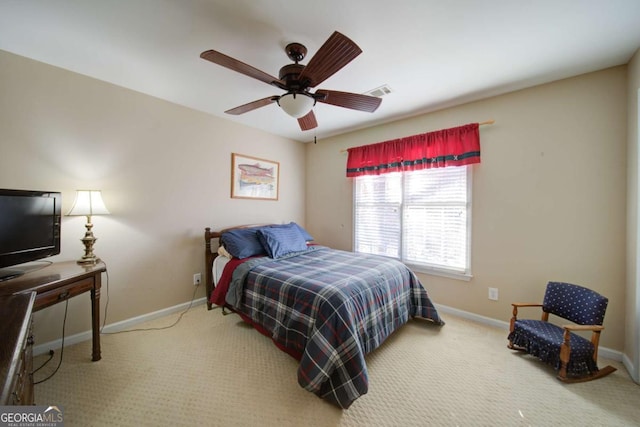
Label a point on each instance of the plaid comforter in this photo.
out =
(328, 308)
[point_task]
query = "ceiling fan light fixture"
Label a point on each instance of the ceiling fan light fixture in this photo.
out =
(296, 105)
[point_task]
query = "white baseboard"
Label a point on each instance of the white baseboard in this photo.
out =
(472, 316)
(602, 351)
(630, 368)
(114, 327)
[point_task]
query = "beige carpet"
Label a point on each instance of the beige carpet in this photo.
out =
(213, 370)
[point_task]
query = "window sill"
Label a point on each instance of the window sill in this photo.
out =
(441, 273)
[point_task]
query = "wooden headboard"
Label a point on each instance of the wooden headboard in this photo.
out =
(210, 255)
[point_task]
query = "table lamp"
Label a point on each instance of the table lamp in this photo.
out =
(88, 203)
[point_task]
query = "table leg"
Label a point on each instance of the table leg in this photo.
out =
(95, 317)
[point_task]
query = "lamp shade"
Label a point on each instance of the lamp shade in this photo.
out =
(88, 202)
(296, 104)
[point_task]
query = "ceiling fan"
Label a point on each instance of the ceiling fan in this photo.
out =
(297, 80)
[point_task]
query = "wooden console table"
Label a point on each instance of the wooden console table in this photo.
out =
(56, 283)
(16, 357)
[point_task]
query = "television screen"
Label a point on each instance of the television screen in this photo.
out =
(29, 225)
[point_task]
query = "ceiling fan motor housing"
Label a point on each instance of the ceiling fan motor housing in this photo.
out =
(289, 74)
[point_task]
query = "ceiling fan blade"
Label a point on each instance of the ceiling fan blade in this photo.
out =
(334, 54)
(252, 106)
(355, 101)
(240, 67)
(308, 121)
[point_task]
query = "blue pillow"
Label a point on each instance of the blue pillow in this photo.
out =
(302, 231)
(243, 242)
(280, 241)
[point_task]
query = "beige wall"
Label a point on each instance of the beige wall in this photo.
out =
(164, 171)
(632, 306)
(549, 198)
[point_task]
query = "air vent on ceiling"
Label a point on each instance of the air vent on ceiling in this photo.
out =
(379, 91)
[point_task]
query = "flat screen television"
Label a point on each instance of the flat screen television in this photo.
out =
(29, 228)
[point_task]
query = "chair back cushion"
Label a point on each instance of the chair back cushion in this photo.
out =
(575, 303)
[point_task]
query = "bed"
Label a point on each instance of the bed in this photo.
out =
(325, 307)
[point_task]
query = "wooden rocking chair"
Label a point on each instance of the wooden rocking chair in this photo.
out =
(572, 355)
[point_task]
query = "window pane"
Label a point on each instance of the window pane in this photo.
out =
(377, 214)
(379, 188)
(378, 230)
(436, 236)
(436, 185)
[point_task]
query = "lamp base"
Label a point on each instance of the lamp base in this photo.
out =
(88, 260)
(89, 239)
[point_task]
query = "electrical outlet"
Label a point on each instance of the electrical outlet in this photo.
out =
(493, 294)
(197, 278)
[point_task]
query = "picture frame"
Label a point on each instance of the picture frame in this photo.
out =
(254, 178)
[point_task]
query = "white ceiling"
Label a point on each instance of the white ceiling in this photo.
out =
(431, 53)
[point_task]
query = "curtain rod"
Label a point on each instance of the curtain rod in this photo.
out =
(486, 122)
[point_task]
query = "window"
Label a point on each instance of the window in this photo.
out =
(422, 218)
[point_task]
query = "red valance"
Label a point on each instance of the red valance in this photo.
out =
(448, 147)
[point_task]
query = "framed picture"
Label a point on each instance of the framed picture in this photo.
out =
(254, 178)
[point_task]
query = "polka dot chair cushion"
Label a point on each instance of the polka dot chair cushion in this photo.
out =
(543, 339)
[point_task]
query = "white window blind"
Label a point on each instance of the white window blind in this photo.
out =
(420, 217)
